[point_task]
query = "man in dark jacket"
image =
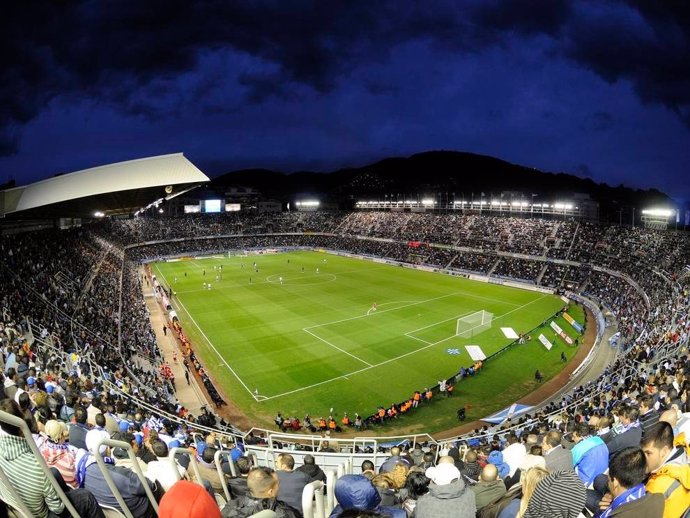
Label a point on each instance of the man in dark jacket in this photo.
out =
(628, 496)
(356, 492)
(291, 482)
(393, 460)
(312, 470)
(263, 487)
(238, 485)
(448, 496)
(632, 431)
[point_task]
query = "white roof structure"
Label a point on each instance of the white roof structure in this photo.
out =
(134, 175)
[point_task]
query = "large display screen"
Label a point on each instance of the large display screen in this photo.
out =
(212, 206)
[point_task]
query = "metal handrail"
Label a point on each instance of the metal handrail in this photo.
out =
(21, 424)
(135, 467)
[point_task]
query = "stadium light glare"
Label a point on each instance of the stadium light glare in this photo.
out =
(563, 206)
(658, 212)
(307, 203)
(98, 214)
(428, 201)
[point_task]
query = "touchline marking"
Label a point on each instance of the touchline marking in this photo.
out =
(336, 347)
(345, 376)
(209, 341)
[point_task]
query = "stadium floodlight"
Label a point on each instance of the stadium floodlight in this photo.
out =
(563, 206)
(308, 203)
(98, 214)
(658, 212)
(428, 201)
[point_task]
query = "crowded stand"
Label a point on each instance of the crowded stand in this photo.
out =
(81, 368)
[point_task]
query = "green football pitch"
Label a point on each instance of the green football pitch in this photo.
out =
(300, 335)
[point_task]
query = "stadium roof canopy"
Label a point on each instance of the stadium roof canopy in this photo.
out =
(114, 189)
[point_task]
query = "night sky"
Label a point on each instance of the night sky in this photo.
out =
(595, 88)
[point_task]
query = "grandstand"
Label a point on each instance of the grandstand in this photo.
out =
(78, 331)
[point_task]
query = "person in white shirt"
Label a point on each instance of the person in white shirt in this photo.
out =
(514, 453)
(159, 470)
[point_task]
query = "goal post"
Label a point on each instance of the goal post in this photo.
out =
(473, 324)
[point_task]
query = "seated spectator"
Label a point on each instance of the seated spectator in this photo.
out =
(18, 462)
(355, 492)
(57, 454)
(394, 459)
(557, 458)
(590, 454)
(648, 415)
(558, 495)
(416, 485)
(188, 500)
(496, 458)
(489, 488)
(471, 469)
(669, 471)
(207, 470)
(368, 469)
(530, 461)
(263, 485)
(514, 502)
(291, 482)
(78, 431)
(513, 453)
(448, 494)
(311, 469)
(630, 432)
(628, 496)
(160, 470)
(91, 477)
(238, 485)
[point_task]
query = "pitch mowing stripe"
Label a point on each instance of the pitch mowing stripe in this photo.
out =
(209, 341)
(345, 376)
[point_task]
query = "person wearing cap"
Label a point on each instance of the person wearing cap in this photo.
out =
(187, 500)
(57, 454)
(448, 496)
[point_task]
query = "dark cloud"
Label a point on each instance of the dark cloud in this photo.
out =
(140, 57)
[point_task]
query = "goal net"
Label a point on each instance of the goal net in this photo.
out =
(471, 325)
